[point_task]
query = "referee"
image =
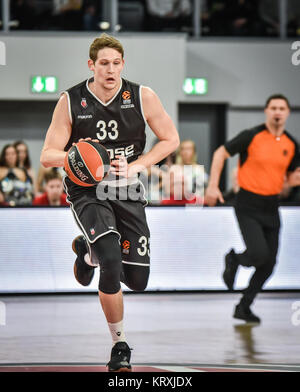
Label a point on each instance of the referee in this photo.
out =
(268, 155)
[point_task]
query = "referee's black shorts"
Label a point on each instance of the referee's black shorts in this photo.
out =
(126, 218)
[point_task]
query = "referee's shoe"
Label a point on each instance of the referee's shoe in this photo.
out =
(83, 272)
(231, 266)
(244, 313)
(120, 358)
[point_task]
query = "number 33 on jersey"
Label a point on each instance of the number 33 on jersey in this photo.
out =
(119, 124)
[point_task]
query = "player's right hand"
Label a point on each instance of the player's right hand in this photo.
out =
(212, 195)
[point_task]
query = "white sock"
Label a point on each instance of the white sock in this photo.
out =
(87, 259)
(117, 332)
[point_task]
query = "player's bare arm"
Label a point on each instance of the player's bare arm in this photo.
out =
(213, 193)
(162, 126)
(57, 137)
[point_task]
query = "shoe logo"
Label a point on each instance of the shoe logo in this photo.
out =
(119, 333)
(92, 230)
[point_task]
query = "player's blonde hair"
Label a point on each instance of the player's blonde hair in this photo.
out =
(105, 41)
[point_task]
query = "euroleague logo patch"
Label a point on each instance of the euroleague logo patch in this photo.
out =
(126, 95)
(126, 246)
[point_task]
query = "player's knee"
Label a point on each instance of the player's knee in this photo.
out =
(138, 285)
(109, 255)
(109, 281)
(136, 277)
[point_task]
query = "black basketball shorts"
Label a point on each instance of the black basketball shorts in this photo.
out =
(97, 218)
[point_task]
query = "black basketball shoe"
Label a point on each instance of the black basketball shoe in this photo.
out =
(120, 358)
(83, 272)
(244, 313)
(231, 267)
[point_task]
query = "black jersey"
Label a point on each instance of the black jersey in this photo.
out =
(119, 124)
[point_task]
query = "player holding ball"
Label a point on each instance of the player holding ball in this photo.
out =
(110, 111)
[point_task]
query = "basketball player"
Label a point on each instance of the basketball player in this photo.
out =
(267, 154)
(113, 111)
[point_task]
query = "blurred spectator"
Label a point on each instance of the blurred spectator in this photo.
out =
(91, 10)
(168, 15)
(25, 163)
(169, 161)
(25, 12)
(269, 13)
(151, 179)
(14, 190)
(214, 17)
(229, 196)
(196, 177)
(53, 195)
(177, 190)
(67, 14)
(131, 15)
(40, 183)
(154, 177)
(243, 18)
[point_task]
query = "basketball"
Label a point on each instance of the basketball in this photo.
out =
(87, 163)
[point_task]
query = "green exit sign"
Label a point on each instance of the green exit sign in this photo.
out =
(44, 84)
(195, 86)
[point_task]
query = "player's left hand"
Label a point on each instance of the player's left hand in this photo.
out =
(119, 166)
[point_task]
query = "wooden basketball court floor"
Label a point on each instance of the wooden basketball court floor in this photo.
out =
(183, 332)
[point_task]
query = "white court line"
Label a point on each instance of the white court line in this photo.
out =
(179, 369)
(263, 364)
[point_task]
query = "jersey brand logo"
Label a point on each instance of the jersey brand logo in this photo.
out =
(84, 116)
(84, 103)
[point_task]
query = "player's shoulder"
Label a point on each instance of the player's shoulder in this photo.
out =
(77, 86)
(148, 95)
(126, 82)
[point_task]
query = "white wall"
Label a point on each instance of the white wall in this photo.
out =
(244, 73)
